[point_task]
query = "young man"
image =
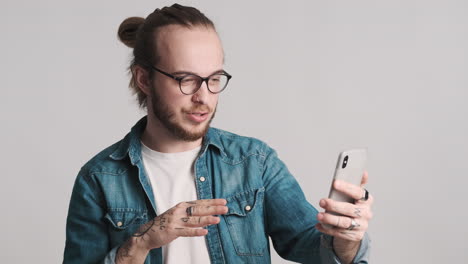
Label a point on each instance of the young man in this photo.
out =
(175, 190)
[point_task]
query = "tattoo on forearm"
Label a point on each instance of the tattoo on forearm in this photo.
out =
(123, 252)
(185, 219)
(357, 212)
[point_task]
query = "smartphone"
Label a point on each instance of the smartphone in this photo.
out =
(350, 168)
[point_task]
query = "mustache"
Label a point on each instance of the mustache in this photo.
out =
(198, 108)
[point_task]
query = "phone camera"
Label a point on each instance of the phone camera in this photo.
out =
(345, 162)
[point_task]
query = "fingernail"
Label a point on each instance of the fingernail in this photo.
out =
(319, 216)
(322, 203)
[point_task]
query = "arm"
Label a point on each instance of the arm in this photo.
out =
(347, 238)
(182, 220)
(291, 220)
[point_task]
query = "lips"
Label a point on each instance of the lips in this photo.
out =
(197, 117)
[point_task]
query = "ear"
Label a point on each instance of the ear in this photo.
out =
(142, 79)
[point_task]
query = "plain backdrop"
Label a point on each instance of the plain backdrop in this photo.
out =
(311, 78)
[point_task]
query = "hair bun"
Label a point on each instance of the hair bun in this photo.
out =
(128, 30)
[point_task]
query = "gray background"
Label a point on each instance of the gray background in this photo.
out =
(311, 78)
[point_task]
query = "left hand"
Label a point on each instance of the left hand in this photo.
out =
(360, 212)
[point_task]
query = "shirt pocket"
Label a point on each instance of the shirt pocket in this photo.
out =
(245, 222)
(123, 222)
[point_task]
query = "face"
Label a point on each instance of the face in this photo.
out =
(196, 50)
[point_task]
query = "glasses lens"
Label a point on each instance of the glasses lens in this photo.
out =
(189, 84)
(217, 83)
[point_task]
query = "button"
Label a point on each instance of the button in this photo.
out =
(247, 207)
(119, 224)
(202, 179)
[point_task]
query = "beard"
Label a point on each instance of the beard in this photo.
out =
(162, 112)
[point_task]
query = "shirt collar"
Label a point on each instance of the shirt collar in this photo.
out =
(131, 145)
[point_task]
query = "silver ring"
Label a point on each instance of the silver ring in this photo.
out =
(365, 197)
(189, 210)
(353, 225)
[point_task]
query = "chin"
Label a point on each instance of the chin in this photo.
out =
(191, 133)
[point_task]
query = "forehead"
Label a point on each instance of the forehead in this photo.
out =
(197, 49)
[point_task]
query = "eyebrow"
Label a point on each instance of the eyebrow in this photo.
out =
(189, 72)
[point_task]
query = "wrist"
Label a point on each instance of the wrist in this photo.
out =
(345, 250)
(132, 251)
(140, 246)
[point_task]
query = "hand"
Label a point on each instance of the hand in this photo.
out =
(360, 212)
(182, 220)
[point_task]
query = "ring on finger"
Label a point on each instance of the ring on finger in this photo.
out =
(365, 197)
(189, 210)
(353, 225)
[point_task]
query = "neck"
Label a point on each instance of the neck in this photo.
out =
(158, 138)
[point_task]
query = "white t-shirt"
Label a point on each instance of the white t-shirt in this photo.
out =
(173, 181)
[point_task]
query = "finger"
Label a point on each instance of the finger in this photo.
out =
(344, 208)
(369, 201)
(337, 221)
(190, 232)
(209, 210)
(353, 191)
(351, 235)
(199, 221)
(365, 178)
(207, 202)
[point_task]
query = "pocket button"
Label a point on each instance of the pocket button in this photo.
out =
(119, 224)
(248, 208)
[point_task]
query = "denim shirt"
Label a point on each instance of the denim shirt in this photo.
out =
(112, 197)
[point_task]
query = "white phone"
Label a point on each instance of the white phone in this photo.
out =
(350, 168)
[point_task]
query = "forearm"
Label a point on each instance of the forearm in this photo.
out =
(132, 251)
(345, 250)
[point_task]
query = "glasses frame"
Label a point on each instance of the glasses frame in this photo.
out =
(206, 79)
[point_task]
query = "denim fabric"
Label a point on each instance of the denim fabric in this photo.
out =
(112, 197)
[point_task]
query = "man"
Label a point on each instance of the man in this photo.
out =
(175, 190)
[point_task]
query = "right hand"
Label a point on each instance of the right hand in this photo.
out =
(176, 222)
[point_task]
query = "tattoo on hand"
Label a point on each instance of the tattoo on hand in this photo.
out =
(357, 212)
(184, 219)
(144, 231)
(162, 222)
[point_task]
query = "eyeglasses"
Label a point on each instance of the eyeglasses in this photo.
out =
(191, 83)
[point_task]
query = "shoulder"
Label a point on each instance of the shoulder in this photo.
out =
(236, 146)
(104, 162)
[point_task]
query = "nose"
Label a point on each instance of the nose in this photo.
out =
(201, 95)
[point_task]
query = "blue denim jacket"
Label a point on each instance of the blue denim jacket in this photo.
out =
(112, 197)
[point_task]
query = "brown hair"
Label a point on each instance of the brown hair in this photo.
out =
(139, 33)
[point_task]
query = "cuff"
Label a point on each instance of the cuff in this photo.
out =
(327, 254)
(110, 258)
